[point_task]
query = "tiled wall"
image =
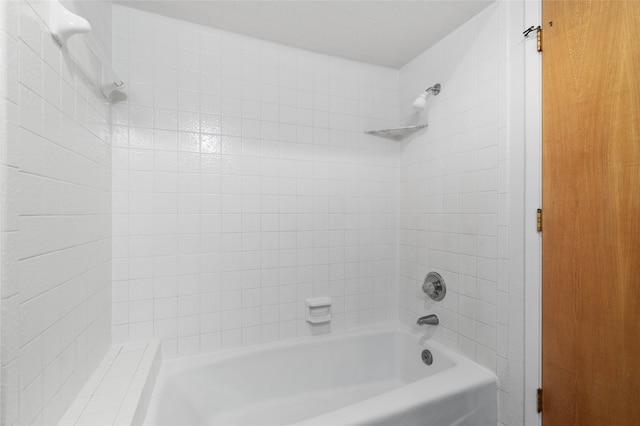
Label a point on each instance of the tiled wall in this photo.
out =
(454, 190)
(56, 228)
(243, 183)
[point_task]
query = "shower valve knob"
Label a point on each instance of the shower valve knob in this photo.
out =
(434, 286)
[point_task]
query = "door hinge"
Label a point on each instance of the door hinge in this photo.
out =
(539, 400)
(538, 31)
(539, 38)
(539, 220)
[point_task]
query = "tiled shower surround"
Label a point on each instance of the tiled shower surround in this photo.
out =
(234, 181)
(243, 183)
(56, 208)
(454, 193)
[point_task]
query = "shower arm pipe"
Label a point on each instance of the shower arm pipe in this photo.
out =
(106, 64)
(435, 89)
(108, 79)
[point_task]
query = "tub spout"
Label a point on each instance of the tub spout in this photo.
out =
(431, 319)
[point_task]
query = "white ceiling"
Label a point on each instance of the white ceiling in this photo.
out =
(388, 33)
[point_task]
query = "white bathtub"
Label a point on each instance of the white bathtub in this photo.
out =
(372, 376)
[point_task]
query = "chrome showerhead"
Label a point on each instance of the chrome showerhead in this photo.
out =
(421, 101)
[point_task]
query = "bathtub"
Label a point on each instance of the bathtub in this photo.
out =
(373, 376)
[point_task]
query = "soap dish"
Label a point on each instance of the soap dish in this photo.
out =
(318, 310)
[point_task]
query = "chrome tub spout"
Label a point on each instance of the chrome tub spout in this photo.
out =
(431, 319)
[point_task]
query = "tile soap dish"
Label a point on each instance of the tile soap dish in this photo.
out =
(318, 310)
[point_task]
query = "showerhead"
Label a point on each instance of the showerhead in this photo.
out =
(421, 101)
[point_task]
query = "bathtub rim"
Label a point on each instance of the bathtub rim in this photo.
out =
(190, 362)
(461, 378)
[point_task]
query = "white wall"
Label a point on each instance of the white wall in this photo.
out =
(456, 211)
(243, 183)
(56, 205)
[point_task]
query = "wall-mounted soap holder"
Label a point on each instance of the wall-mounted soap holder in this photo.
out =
(318, 310)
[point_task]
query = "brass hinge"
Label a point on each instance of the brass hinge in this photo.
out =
(539, 400)
(538, 31)
(539, 220)
(539, 38)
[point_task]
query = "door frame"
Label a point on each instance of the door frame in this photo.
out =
(533, 201)
(523, 277)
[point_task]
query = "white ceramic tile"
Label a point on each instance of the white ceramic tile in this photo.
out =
(456, 198)
(68, 148)
(239, 214)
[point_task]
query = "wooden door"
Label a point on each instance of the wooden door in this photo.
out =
(591, 204)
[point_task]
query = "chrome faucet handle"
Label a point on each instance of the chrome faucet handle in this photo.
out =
(434, 286)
